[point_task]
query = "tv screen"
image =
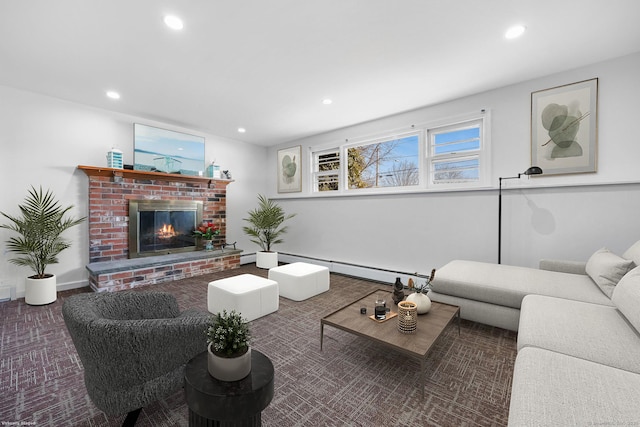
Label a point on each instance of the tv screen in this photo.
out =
(162, 150)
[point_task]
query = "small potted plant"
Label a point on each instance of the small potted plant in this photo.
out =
(39, 228)
(266, 230)
(419, 295)
(228, 339)
(206, 232)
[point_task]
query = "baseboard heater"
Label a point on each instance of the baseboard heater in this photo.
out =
(348, 269)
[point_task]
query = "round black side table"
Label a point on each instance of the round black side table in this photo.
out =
(214, 403)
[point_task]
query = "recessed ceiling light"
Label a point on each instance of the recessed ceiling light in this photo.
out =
(173, 22)
(326, 101)
(113, 94)
(242, 130)
(515, 31)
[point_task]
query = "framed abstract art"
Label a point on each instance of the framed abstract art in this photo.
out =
(564, 128)
(289, 170)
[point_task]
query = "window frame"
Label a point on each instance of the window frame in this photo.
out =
(426, 159)
(381, 139)
(316, 173)
(481, 153)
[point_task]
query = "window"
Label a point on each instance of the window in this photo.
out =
(451, 155)
(455, 153)
(326, 170)
(387, 162)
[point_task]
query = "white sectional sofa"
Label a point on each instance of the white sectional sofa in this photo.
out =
(492, 293)
(578, 359)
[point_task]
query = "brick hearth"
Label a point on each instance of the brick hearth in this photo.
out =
(109, 193)
(125, 274)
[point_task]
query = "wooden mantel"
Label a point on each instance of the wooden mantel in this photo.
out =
(138, 174)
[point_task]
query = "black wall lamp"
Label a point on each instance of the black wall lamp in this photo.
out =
(533, 170)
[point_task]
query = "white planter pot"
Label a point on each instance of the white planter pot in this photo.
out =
(422, 302)
(229, 368)
(266, 259)
(40, 291)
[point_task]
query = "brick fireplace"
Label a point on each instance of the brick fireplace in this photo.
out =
(111, 190)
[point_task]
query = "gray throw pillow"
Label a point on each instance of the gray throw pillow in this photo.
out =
(606, 269)
(633, 253)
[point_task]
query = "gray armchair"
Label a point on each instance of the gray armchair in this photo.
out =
(133, 346)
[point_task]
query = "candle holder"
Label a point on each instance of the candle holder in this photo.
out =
(407, 317)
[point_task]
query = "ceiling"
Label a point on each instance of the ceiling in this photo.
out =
(266, 66)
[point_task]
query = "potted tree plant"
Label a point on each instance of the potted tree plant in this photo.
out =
(266, 230)
(229, 350)
(39, 227)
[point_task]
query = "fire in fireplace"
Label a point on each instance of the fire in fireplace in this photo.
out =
(166, 232)
(162, 226)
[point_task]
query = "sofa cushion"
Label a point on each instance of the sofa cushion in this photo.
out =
(553, 389)
(626, 297)
(633, 253)
(482, 312)
(506, 284)
(589, 331)
(606, 269)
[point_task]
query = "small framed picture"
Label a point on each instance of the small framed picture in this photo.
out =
(564, 128)
(289, 170)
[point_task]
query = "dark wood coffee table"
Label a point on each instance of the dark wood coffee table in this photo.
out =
(416, 345)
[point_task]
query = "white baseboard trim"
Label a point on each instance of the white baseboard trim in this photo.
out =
(5, 293)
(354, 270)
(247, 258)
(348, 269)
(16, 294)
(72, 285)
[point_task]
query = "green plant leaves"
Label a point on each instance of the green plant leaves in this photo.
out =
(563, 126)
(289, 166)
(39, 226)
(266, 223)
(228, 333)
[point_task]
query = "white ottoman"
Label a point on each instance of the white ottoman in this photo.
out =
(299, 281)
(249, 295)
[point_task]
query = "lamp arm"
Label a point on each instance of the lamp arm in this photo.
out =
(533, 170)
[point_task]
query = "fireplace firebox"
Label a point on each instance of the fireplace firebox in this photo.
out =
(159, 227)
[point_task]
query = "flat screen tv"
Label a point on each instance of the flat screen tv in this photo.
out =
(162, 150)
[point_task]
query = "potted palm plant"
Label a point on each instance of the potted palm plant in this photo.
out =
(40, 224)
(229, 352)
(266, 229)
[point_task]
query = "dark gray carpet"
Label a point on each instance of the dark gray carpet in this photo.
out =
(351, 382)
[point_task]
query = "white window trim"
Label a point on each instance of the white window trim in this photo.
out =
(484, 153)
(315, 174)
(382, 138)
(424, 160)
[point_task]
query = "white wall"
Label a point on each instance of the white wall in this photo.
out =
(569, 222)
(567, 216)
(44, 139)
